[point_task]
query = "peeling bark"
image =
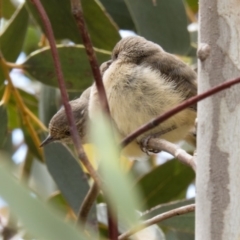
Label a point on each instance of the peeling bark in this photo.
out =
(218, 158)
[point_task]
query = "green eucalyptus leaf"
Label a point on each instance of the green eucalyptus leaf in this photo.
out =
(103, 32)
(3, 125)
(48, 104)
(7, 145)
(177, 221)
(31, 144)
(59, 201)
(74, 63)
(32, 39)
(120, 13)
(7, 9)
(193, 4)
(116, 184)
(14, 120)
(150, 233)
(13, 116)
(29, 100)
(68, 175)
(175, 235)
(164, 183)
(39, 219)
(163, 22)
(12, 37)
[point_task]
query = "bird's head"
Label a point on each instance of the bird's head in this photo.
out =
(59, 128)
(134, 49)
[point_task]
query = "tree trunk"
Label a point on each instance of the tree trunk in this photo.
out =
(218, 163)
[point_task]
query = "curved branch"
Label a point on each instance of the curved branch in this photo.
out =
(88, 203)
(157, 219)
(78, 15)
(74, 133)
(187, 103)
(176, 151)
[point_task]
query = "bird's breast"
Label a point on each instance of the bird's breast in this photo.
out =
(136, 94)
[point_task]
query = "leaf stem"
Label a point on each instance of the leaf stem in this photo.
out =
(57, 65)
(14, 65)
(6, 95)
(22, 107)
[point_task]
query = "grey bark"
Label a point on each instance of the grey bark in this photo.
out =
(218, 158)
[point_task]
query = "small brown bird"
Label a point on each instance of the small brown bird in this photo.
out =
(58, 126)
(143, 81)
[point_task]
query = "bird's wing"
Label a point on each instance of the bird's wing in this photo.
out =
(173, 69)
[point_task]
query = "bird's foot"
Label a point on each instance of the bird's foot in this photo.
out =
(144, 146)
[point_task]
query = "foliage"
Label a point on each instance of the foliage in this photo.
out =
(30, 108)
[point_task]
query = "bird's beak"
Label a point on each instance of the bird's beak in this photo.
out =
(48, 140)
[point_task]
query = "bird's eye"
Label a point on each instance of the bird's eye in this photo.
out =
(115, 55)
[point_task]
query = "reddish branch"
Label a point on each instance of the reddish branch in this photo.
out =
(87, 203)
(74, 133)
(78, 15)
(155, 122)
(157, 219)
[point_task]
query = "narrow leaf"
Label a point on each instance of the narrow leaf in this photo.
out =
(12, 37)
(103, 32)
(164, 183)
(74, 62)
(178, 227)
(163, 22)
(120, 13)
(151, 233)
(3, 125)
(67, 173)
(16, 29)
(7, 9)
(116, 183)
(37, 217)
(34, 149)
(48, 104)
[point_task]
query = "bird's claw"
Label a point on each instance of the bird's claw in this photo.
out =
(144, 146)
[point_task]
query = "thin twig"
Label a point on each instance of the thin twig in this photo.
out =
(157, 219)
(6, 95)
(176, 151)
(14, 65)
(78, 15)
(87, 203)
(20, 103)
(74, 133)
(112, 224)
(156, 121)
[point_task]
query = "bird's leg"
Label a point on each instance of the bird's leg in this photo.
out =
(144, 141)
